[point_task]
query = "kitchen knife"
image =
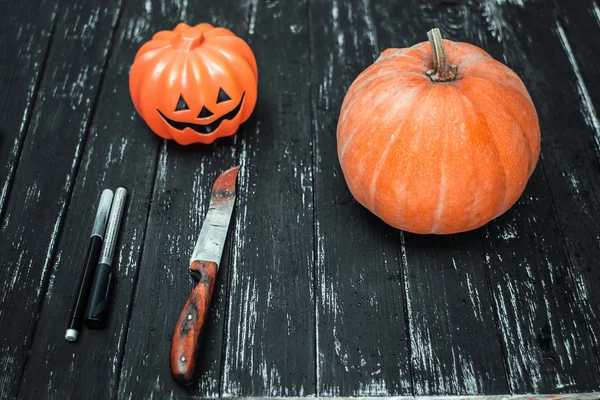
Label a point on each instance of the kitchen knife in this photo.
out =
(204, 265)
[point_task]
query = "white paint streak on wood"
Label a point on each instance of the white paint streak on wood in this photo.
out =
(130, 264)
(509, 233)
(320, 263)
(184, 10)
(596, 12)
(325, 86)
(520, 3)
(525, 368)
(122, 148)
(253, 7)
(137, 28)
(470, 383)
(355, 32)
(11, 167)
(302, 175)
(32, 195)
(423, 357)
(199, 202)
(162, 170)
(88, 28)
(236, 357)
(573, 179)
(371, 34)
(335, 20)
(16, 142)
(493, 14)
(49, 291)
(15, 276)
(474, 296)
(7, 363)
(588, 111)
(51, 245)
(115, 357)
(374, 387)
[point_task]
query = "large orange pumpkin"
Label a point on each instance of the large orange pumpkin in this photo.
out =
(194, 84)
(438, 141)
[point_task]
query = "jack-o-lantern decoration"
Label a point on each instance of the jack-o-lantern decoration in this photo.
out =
(194, 84)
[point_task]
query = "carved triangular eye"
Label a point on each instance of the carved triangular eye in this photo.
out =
(205, 112)
(181, 104)
(222, 96)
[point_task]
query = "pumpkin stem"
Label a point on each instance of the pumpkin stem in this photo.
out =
(442, 70)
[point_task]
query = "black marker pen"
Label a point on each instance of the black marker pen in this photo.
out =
(99, 295)
(91, 260)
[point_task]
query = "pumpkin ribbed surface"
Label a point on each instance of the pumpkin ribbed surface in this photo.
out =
(194, 83)
(437, 157)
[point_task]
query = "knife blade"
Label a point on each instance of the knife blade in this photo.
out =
(204, 265)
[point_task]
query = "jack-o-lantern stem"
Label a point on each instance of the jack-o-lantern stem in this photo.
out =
(188, 40)
(442, 70)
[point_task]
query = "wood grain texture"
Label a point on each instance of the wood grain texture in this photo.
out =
(454, 345)
(362, 346)
(24, 45)
(578, 25)
(180, 201)
(315, 295)
(581, 45)
(270, 324)
(44, 179)
(120, 151)
(541, 326)
(577, 28)
(565, 206)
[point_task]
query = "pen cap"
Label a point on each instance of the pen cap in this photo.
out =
(99, 300)
(98, 303)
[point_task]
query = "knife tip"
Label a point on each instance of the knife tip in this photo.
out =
(234, 170)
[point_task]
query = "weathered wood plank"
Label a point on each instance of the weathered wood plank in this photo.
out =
(546, 333)
(541, 291)
(361, 333)
(179, 204)
(120, 151)
(542, 325)
(270, 323)
(454, 345)
(44, 179)
(542, 329)
(24, 44)
(580, 37)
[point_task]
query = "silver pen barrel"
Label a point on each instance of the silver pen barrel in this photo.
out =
(102, 213)
(112, 229)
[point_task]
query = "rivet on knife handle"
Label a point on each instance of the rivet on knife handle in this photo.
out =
(190, 323)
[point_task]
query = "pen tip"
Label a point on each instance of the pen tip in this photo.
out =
(71, 335)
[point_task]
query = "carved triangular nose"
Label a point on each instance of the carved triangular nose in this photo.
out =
(181, 104)
(205, 112)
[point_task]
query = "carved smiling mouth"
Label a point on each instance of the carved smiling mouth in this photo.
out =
(204, 129)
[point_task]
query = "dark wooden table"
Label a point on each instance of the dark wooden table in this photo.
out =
(315, 295)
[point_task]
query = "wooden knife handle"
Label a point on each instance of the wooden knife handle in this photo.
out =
(191, 321)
